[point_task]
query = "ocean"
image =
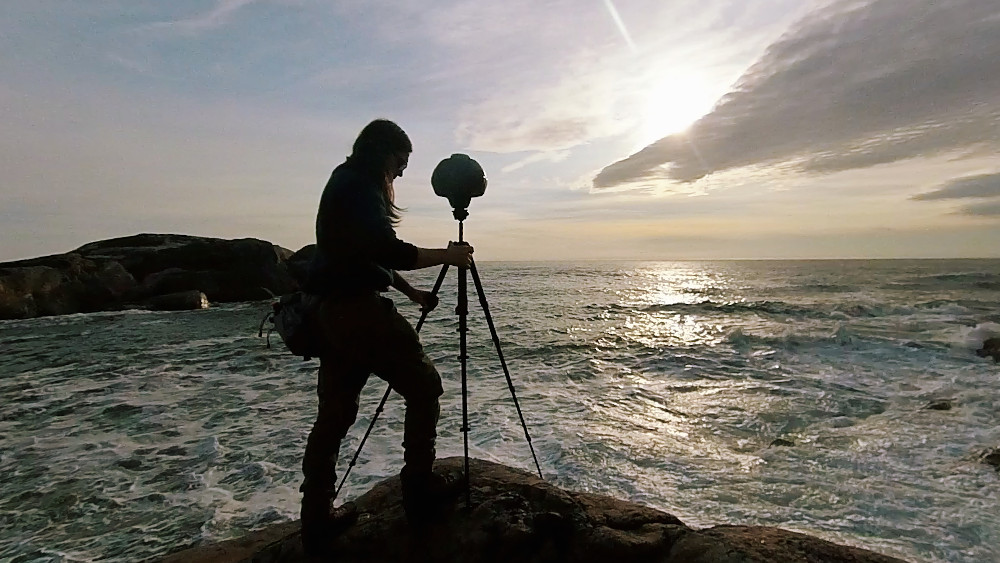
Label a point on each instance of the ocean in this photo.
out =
(127, 435)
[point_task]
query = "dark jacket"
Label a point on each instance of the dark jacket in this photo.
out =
(356, 246)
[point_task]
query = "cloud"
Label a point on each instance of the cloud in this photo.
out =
(983, 185)
(852, 85)
(532, 122)
(556, 86)
(554, 156)
(212, 19)
(988, 209)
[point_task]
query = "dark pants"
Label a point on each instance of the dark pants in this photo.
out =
(365, 334)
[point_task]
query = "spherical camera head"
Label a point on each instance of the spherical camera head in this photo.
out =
(459, 178)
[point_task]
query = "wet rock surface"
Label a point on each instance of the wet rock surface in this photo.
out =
(515, 516)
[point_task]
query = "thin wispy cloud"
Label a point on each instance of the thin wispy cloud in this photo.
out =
(215, 18)
(531, 122)
(854, 85)
(130, 63)
(554, 156)
(620, 24)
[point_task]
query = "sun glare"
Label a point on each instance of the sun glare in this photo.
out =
(672, 104)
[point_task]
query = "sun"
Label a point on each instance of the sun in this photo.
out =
(673, 101)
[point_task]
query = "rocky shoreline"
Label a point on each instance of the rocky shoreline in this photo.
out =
(515, 516)
(151, 271)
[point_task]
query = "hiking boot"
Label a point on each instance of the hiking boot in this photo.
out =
(425, 495)
(321, 523)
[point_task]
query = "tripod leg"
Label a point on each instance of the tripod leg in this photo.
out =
(503, 363)
(434, 291)
(354, 460)
(388, 390)
(463, 313)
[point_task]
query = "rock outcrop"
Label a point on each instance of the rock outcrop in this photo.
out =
(991, 457)
(137, 270)
(60, 285)
(180, 301)
(224, 270)
(991, 348)
(298, 263)
(515, 516)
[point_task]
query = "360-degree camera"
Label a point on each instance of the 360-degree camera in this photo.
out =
(459, 178)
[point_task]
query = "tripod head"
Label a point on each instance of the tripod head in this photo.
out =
(459, 178)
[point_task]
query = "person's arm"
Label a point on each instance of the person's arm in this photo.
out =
(426, 299)
(404, 286)
(455, 255)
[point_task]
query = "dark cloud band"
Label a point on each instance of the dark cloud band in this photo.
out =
(988, 209)
(984, 185)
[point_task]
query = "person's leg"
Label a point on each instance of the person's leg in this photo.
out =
(404, 365)
(338, 389)
(342, 375)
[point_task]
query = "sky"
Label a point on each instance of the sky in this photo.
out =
(608, 129)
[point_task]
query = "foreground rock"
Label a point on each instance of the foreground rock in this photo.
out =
(137, 270)
(517, 517)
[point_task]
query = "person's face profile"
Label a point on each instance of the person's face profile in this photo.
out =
(401, 160)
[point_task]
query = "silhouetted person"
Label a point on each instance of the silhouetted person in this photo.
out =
(357, 257)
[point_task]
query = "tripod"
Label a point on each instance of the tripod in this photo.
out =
(462, 310)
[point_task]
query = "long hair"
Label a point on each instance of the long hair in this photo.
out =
(375, 144)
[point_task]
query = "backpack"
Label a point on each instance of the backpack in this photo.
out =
(293, 317)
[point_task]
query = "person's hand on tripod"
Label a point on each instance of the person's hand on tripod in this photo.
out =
(459, 254)
(426, 299)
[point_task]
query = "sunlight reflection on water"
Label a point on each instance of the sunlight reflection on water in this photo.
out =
(654, 289)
